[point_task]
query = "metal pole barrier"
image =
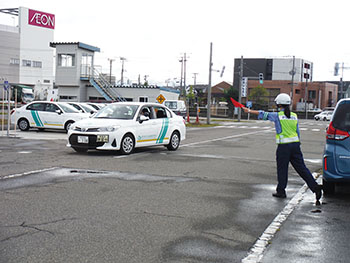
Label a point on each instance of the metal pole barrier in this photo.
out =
(8, 111)
(15, 120)
(3, 111)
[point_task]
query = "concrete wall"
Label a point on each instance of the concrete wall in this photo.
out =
(34, 46)
(9, 49)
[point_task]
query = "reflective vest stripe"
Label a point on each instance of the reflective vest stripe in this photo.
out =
(287, 140)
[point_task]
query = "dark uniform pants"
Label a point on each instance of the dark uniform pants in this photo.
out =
(291, 152)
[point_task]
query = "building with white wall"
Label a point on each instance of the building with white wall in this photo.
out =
(26, 57)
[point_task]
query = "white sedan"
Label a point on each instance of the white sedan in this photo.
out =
(127, 125)
(46, 114)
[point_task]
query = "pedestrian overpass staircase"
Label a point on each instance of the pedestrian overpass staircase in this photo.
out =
(104, 87)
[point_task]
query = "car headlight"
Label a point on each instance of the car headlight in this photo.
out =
(108, 129)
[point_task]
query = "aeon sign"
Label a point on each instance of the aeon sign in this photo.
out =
(37, 18)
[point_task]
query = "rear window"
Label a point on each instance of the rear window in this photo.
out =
(341, 118)
(171, 104)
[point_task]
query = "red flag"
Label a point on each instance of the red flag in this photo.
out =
(236, 103)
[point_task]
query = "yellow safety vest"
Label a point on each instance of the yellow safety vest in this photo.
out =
(289, 128)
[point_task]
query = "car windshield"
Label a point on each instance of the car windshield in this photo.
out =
(68, 108)
(341, 118)
(87, 108)
(171, 104)
(118, 111)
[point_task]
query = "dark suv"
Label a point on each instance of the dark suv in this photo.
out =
(336, 157)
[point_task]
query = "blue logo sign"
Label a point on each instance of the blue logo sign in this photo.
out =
(249, 104)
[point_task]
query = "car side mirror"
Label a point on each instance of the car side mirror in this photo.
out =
(143, 118)
(59, 112)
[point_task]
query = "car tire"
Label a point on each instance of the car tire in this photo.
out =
(174, 142)
(328, 187)
(67, 125)
(23, 124)
(324, 119)
(127, 144)
(80, 150)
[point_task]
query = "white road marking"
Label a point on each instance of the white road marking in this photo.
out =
(26, 173)
(256, 253)
(222, 138)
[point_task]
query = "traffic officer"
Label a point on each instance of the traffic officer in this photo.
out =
(288, 149)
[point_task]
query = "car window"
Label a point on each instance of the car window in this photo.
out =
(76, 106)
(341, 118)
(117, 111)
(171, 104)
(36, 106)
(51, 107)
(147, 111)
(162, 112)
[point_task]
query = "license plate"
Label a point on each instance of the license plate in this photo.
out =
(83, 139)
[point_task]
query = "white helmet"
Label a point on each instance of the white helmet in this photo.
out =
(283, 99)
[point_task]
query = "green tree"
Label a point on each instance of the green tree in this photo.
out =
(231, 93)
(190, 96)
(259, 96)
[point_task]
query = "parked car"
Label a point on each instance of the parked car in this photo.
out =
(177, 106)
(46, 114)
(336, 157)
(324, 116)
(127, 125)
(83, 107)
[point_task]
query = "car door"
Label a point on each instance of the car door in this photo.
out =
(163, 122)
(146, 131)
(34, 113)
(52, 116)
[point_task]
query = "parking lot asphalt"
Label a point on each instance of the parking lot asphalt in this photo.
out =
(210, 201)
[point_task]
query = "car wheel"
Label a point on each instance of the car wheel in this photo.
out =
(328, 187)
(67, 125)
(324, 119)
(80, 150)
(127, 144)
(23, 124)
(174, 141)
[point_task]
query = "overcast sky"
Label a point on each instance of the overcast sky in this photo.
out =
(153, 34)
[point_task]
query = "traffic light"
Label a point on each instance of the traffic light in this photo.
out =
(261, 78)
(307, 65)
(336, 69)
(306, 75)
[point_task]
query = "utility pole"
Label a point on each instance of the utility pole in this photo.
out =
(110, 69)
(292, 89)
(240, 88)
(122, 59)
(182, 69)
(195, 78)
(209, 84)
(185, 75)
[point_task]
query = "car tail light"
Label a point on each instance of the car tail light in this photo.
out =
(325, 163)
(335, 134)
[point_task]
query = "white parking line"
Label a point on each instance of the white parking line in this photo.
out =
(256, 253)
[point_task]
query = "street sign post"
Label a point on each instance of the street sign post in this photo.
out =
(160, 99)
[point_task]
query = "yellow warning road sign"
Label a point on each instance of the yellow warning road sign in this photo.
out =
(160, 99)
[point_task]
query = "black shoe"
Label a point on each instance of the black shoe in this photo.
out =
(279, 195)
(318, 192)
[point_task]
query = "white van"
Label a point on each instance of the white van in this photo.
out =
(177, 106)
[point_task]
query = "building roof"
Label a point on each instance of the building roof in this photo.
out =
(79, 44)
